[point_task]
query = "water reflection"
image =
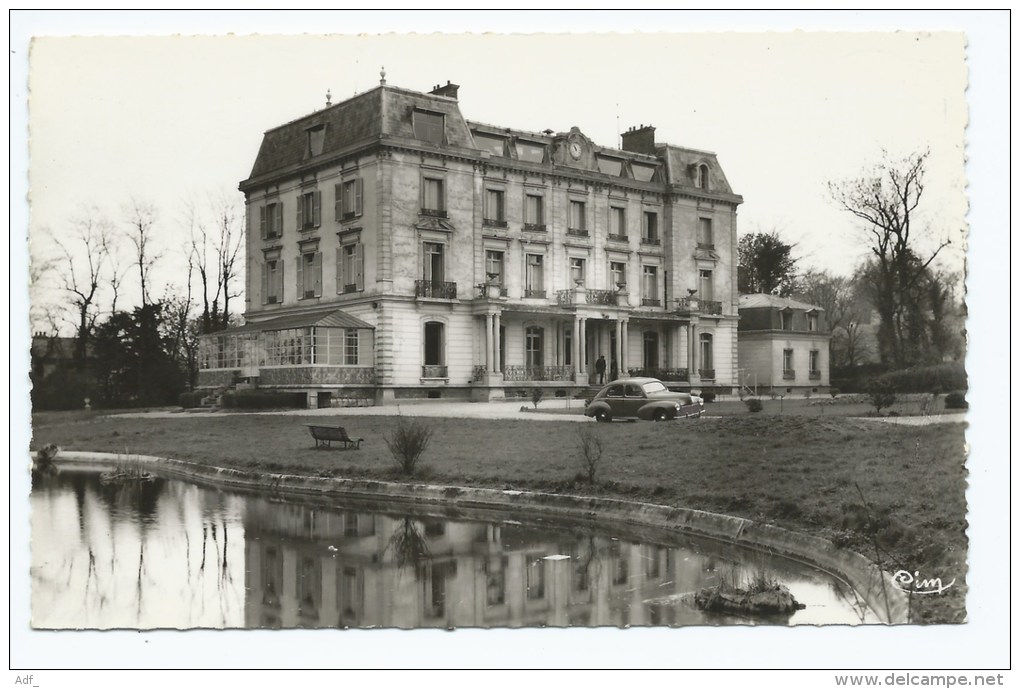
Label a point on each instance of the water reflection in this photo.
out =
(171, 554)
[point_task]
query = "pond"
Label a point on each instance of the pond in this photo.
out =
(167, 553)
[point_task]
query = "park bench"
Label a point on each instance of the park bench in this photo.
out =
(325, 436)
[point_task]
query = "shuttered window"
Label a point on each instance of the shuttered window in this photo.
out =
(309, 210)
(349, 197)
(309, 276)
(350, 268)
(271, 220)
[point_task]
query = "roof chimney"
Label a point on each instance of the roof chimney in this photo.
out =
(450, 90)
(639, 140)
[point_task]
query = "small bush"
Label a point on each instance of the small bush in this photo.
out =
(590, 450)
(880, 395)
(408, 442)
(833, 391)
(190, 400)
(956, 400)
(262, 399)
(536, 396)
(753, 404)
(935, 378)
(64, 388)
(708, 397)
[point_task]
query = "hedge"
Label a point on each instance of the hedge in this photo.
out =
(262, 399)
(190, 400)
(936, 378)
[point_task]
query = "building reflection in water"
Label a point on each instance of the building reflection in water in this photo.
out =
(311, 567)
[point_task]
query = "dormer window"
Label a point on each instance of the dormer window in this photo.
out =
(812, 323)
(701, 176)
(429, 126)
(316, 139)
(786, 319)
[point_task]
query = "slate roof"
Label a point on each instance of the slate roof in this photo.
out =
(328, 318)
(760, 301)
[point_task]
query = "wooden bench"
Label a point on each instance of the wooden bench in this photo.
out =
(325, 436)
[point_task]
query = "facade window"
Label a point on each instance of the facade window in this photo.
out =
(351, 347)
(812, 322)
(432, 267)
(568, 347)
(577, 273)
(293, 347)
(787, 362)
(271, 220)
(534, 278)
(350, 268)
(617, 222)
(309, 276)
(705, 232)
(650, 286)
(349, 197)
(428, 126)
(495, 581)
(705, 285)
(535, 579)
(651, 349)
(494, 267)
(435, 343)
(433, 197)
(494, 206)
(533, 337)
(534, 211)
(702, 176)
(577, 216)
(707, 360)
(272, 282)
(309, 210)
(618, 274)
(786, 319)
(813, 361)
(650, 228)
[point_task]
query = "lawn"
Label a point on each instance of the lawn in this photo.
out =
(864, 484)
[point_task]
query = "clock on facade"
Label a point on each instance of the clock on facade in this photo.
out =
(575, 150)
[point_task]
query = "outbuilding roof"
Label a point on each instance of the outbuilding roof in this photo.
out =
(330, 318)
(762, 301)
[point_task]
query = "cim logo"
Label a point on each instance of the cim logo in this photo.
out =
(913, 583)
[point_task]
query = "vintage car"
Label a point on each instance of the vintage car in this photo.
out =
(642, 398)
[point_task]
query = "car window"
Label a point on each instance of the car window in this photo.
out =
(634, 391)
(615, 391)
(654, 386)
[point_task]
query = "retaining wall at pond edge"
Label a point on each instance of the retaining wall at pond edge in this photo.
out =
(870, 583)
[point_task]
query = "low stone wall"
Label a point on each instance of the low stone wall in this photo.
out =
(871, 584)
(316, 375)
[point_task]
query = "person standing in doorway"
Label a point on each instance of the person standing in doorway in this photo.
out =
(600, 369)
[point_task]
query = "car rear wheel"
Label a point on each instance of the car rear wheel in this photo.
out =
(603, 416)
(659, 415)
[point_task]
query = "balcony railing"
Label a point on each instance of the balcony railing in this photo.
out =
(534, 294)
(672, 375)
(706, 306)
(434, 213)
(534, 227)
(434, 289)
(577, 232)
(489, 222)
(815, 375)
(434, 371)
(538, 373)
(707, 373)
(599, 297)
(789, 374)
(648, 301)
(483, 290)
(478, 374)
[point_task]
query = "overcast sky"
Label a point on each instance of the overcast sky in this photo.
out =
(167, 119)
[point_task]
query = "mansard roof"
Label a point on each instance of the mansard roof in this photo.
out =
(762, 301)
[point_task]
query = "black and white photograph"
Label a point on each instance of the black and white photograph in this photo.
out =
(591, 338)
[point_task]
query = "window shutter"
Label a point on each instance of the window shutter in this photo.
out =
(359, 266)
(317, 208)
(262, 221)
(317, 268)
(339, 270)
(441, 195)
(300, 213)
(300, 276)
(359, 193)
(279, 221)
(338, 203)
(265, 281)
(279, 281)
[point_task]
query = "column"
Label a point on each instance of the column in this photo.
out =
(624, 348)
(575, 344)
(692, 352)
(495, 342)
(489, 367)
(618, 354)
(582, 359)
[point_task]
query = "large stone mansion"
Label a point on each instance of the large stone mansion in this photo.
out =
(396, 251)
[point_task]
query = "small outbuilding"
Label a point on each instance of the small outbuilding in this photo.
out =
(782, 345)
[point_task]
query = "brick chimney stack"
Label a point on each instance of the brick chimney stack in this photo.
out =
(450, 90)
(640, 139)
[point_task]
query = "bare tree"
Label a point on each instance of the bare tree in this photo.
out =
(216, 240)
(141, 220)
(85, 254)
(845, 313)
(886, 198)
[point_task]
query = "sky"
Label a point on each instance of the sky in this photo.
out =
(173, 119)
